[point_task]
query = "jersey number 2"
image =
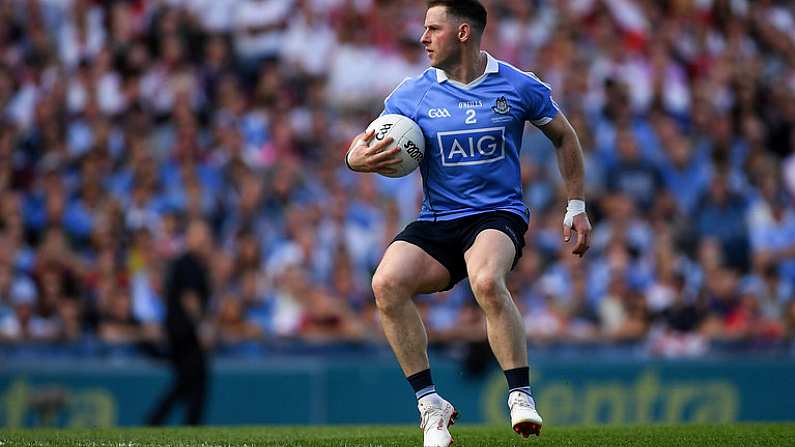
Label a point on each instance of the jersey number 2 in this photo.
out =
(471, 117)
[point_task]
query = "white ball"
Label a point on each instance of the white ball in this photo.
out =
(405, 134)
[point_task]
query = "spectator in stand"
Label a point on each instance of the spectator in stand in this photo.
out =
(720, 213)
(631, 174)
(771, 219)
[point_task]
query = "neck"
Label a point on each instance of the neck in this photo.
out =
(472, 66)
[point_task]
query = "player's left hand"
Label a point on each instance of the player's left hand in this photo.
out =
(582, 226)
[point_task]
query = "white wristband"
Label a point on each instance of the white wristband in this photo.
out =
(348, 162)
(575, 207)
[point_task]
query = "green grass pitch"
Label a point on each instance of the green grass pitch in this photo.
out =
(745, 435)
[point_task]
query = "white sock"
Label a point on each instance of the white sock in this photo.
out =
(432, 398)
(428, 390)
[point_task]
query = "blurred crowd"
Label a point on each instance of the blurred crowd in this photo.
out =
(121, 121)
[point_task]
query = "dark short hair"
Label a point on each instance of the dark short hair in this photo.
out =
(471, 10)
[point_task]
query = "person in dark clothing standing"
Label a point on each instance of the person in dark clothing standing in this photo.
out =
(187, 291)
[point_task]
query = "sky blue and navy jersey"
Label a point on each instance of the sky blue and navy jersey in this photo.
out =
(473, 134)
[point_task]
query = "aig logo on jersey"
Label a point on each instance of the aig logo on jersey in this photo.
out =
(472, 147)
(439, 113)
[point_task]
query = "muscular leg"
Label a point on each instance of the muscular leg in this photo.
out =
(405, 271)
(488, 263)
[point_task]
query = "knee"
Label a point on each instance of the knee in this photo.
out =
(490, 290)
(389, 290)
(486, 285)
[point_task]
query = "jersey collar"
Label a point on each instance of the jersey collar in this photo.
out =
(491, 67)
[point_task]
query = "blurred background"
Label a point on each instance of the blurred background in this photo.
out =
(122, 121)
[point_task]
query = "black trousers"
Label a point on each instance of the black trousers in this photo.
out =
(189, 365)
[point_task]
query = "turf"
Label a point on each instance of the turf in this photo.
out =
(744, 435)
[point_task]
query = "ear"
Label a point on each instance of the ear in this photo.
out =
(464, 32)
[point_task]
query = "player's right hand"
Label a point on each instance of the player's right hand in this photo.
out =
(376, 158)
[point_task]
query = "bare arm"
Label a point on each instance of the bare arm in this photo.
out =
(572, 169)
(570, 161)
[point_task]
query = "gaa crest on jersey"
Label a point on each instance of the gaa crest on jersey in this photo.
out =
(501, 106)
(441, 112)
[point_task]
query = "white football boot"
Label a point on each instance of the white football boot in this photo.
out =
(524, 418)
(436, 415)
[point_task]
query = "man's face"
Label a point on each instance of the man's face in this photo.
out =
(440, 37)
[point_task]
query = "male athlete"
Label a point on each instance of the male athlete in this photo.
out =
(472, 109)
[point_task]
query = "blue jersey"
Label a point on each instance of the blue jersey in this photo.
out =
(473, 134)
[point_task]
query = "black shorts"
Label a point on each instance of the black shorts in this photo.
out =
(448, 240)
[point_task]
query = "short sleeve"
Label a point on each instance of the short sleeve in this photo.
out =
(398, 102)
(541, 108)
